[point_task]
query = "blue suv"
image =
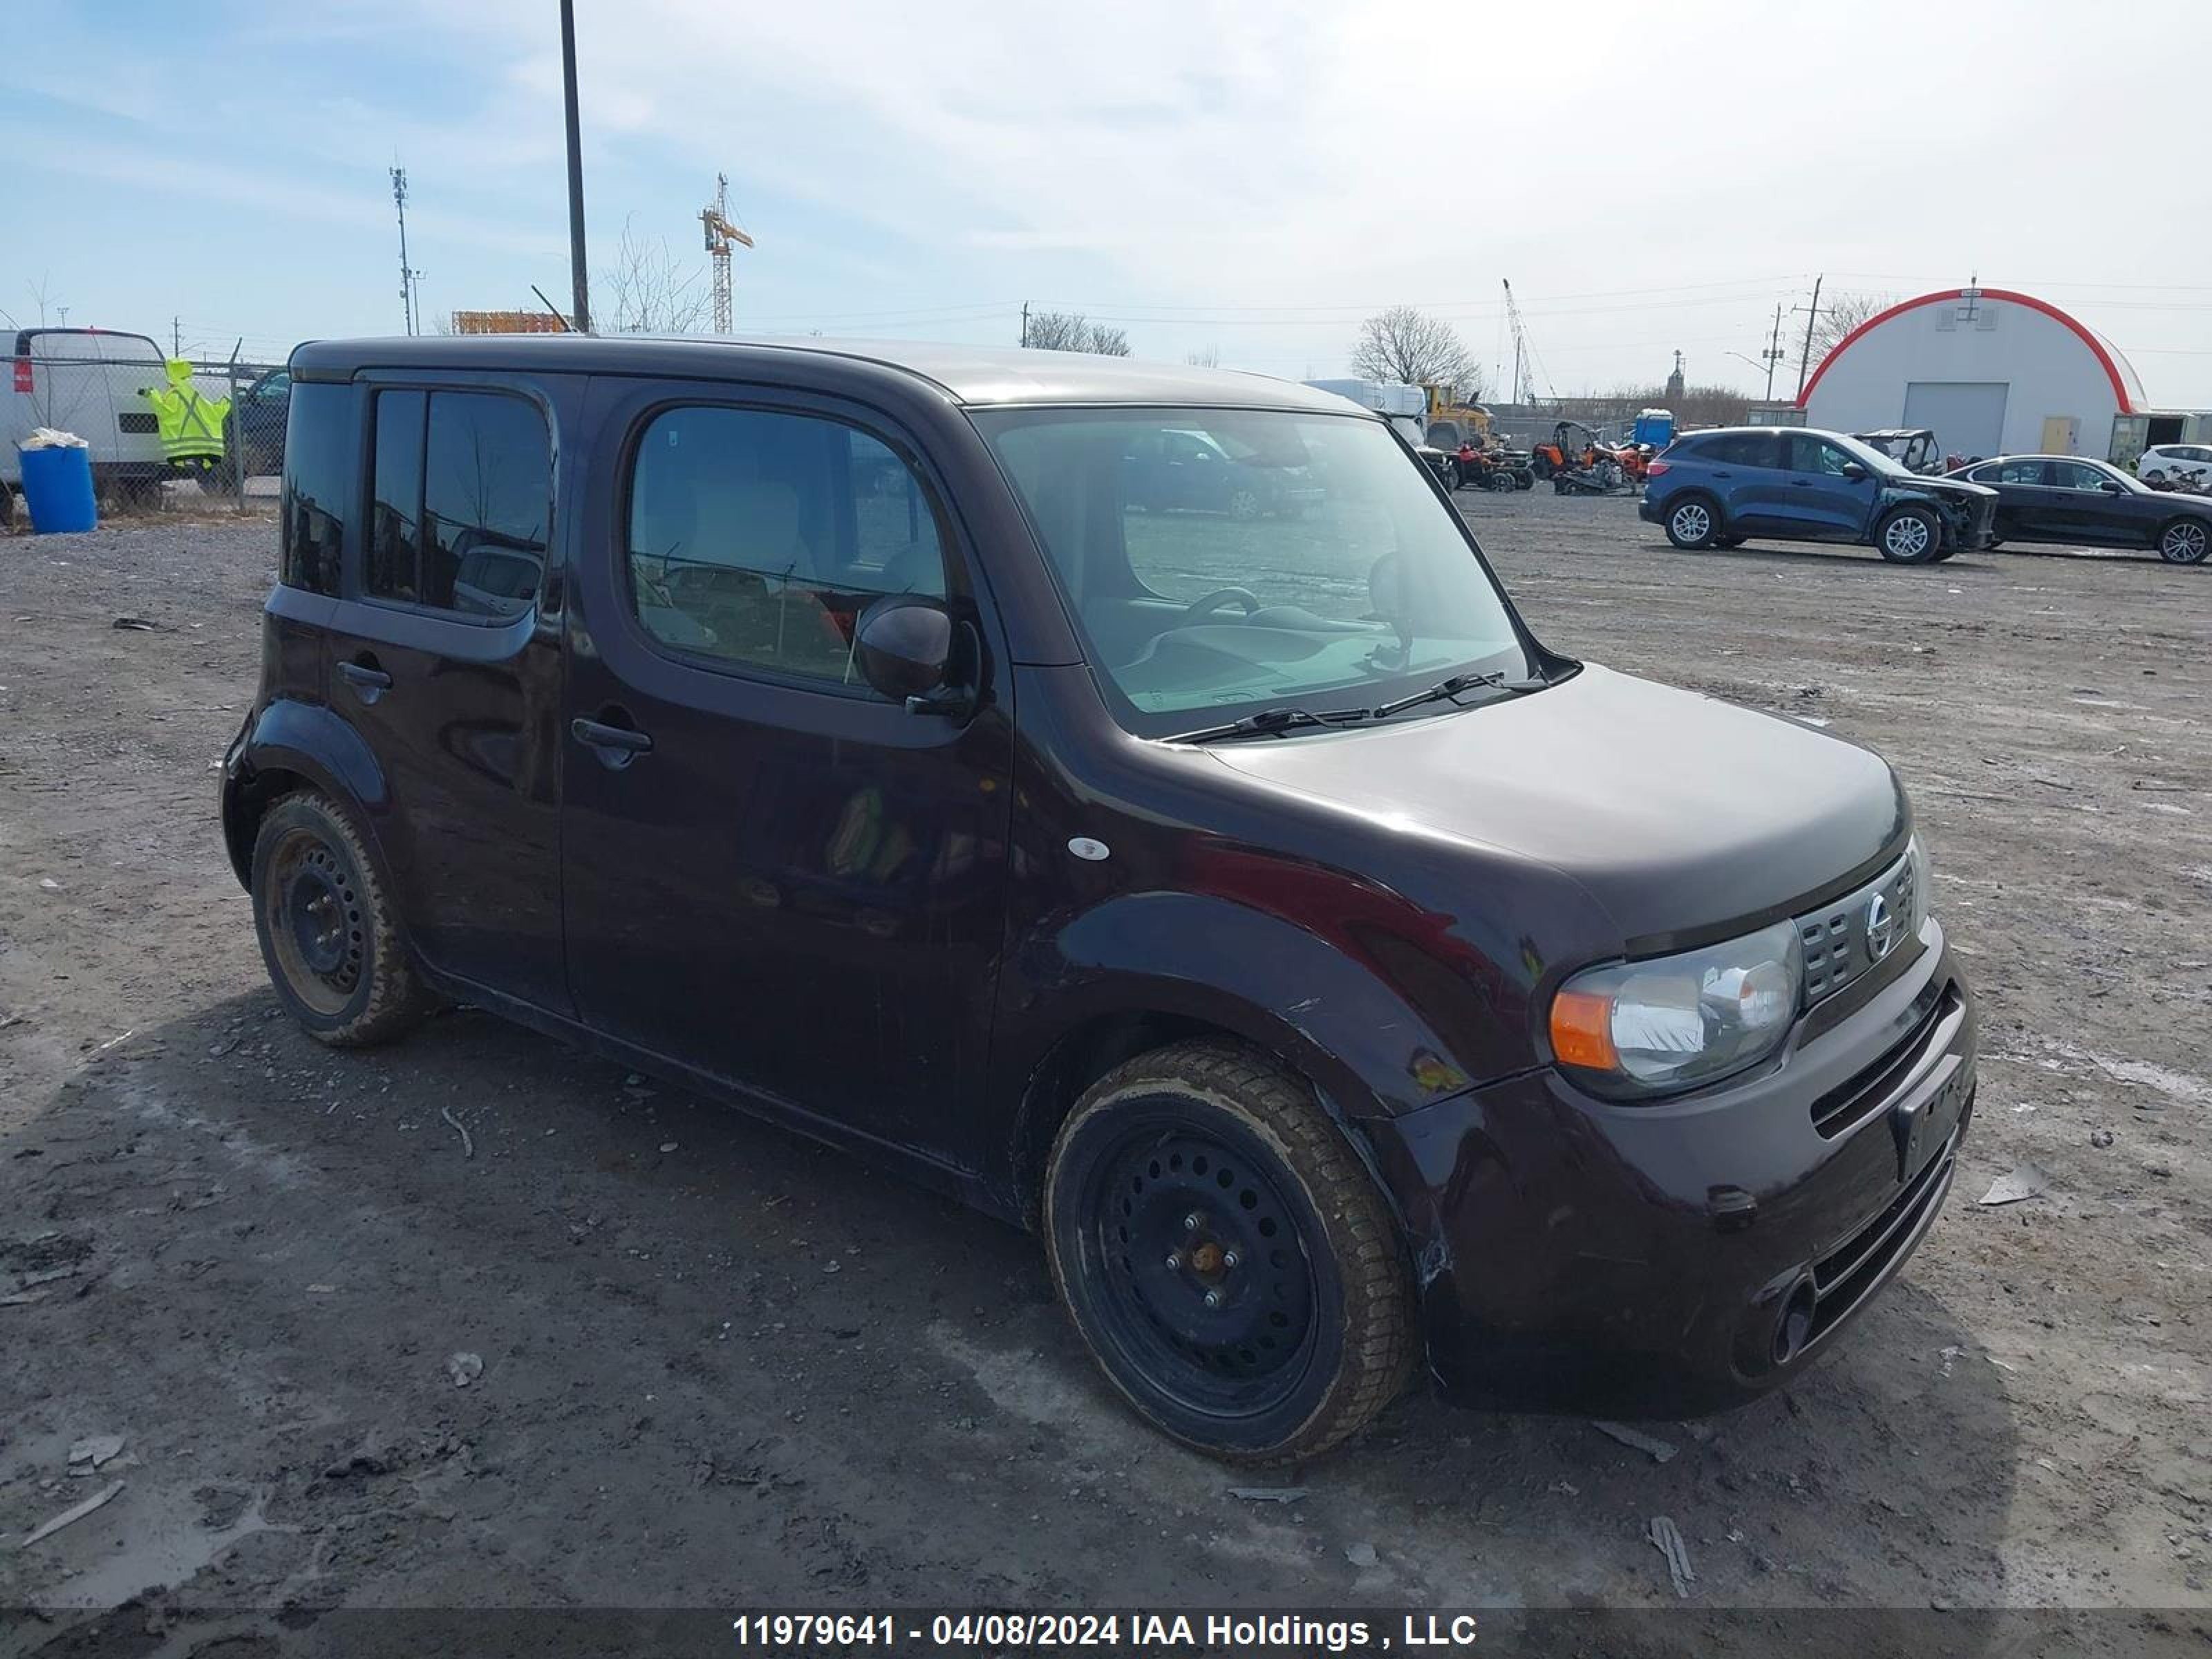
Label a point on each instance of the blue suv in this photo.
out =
(1721, 489)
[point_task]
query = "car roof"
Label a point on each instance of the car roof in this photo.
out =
(971, 375)
(1992, 460)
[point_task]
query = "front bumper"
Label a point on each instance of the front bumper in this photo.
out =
(1666, 1259)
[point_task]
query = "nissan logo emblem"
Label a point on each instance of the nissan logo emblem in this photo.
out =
(1880, 928)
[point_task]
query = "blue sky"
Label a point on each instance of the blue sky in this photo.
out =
(1246, 180)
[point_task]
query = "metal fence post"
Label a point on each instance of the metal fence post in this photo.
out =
(233, 431)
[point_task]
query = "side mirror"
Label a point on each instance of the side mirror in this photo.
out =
(1855, 472)
(2110, 487)
(903, 644)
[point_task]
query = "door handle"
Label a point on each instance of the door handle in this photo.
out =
(1723, 474)
(368, 681)
(616, 746)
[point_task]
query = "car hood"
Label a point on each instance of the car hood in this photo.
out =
(1963, 489)
(1686, 819)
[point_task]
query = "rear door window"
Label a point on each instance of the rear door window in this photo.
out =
(1738, 449)
(460, 517)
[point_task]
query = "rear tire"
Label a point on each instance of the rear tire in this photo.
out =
(1911, 535)
(1694, 524)
(330, 936)
(1310, 1329)
(2185, 541)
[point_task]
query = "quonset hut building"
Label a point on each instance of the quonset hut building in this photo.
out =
(1991, 372)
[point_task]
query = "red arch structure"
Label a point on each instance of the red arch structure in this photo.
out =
(2121, 393)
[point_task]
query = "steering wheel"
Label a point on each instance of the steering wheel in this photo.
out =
(1199, 608)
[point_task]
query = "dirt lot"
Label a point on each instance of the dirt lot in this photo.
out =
(721, 1368)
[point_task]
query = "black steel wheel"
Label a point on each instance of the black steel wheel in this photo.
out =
(329, 935)
(1225, 1256)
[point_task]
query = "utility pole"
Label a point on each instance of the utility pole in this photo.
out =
(176, 337)
(408, 274)
(1773, 354)
(1025, 322)
(577, 275)
(1812, 315)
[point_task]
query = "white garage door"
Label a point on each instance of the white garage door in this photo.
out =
(1967, 417)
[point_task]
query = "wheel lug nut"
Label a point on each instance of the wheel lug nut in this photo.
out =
(1190, 1222)
(1175, 1261)
(1213, 1299)
(1229, 1258)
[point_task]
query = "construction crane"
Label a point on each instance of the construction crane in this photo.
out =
(721, 232)
(1525, 366)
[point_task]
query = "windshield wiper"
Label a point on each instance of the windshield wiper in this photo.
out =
(1455, 686)
(1270, 721)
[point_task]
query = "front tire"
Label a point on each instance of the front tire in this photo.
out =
(1693, 524)
(2185, 541)
(329, 935)
(1229, 1261)
(1244, 504)
(1909, 536)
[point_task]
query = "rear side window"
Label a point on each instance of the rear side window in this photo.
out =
(757, 538)
(1737, 449)
(460, 515)
(319, 476)
(2013, 472)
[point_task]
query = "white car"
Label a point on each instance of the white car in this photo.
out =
(2177, 467)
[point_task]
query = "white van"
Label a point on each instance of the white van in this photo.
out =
(85, 381)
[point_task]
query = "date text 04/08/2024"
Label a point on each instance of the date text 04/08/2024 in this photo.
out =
(995, 1632)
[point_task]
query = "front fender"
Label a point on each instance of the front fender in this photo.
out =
(1255, 975)
(288, 738)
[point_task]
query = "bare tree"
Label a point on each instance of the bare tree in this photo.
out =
(1839, 314)
(1405, 344)
(1070, 331)
(648, 291)
(1204, 357)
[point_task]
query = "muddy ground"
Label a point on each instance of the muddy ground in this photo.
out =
(721, 1368)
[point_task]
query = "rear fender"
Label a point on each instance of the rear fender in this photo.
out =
(287, 739)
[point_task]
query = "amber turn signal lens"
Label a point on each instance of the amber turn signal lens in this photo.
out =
(1582, 1030)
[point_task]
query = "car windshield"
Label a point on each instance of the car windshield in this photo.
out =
(1221, 563)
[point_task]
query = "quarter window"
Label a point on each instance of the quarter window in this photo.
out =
(463, 490)
(757, 536)
(318, 474)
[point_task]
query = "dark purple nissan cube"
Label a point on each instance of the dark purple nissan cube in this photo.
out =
(1122, 797)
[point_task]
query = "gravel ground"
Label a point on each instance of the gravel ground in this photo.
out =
(744, 1372)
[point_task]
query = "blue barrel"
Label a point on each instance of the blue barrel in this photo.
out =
(58, 490)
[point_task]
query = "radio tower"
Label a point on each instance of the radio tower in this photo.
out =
(409, 277)
(720, 233)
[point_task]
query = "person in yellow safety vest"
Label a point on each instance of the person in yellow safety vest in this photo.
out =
(191, 425)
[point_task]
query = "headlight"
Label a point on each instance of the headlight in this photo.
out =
(1669, 1022)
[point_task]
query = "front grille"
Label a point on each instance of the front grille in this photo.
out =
(1842, 1277)
(1838, 946)
(1842, 1107)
